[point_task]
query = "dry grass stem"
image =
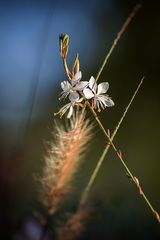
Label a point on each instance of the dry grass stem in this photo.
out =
(119, 34)
(62, 159)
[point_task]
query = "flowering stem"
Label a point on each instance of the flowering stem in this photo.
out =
(125, 25)
(119, 154)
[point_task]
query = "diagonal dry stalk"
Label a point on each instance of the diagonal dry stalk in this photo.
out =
(63, 159)
(119, 34)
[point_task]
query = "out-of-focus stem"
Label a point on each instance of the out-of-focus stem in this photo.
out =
(123, 28)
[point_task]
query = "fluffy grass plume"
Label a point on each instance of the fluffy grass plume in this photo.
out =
(63, 156)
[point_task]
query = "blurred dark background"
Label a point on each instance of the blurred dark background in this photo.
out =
(30, 76)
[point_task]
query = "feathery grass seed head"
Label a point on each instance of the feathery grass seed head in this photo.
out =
(63, 157)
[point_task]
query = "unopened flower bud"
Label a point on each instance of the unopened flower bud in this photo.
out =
(75, 67)
(63, 44)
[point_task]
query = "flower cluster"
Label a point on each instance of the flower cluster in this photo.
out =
(77, 91)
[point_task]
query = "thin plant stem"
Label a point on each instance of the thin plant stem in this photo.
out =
(128, 171)
(123, 28)
(102, 157)
(66, 68)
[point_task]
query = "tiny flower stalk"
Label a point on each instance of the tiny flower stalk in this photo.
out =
(63, 159)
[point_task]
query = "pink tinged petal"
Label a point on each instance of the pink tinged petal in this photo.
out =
(88, 93)
(81, 85)
(65, 85)
(70, 112)
(102, 88)
(108, 102)
(93, 84)
(73, 97)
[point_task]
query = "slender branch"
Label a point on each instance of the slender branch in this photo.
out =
(128, 172)
(123, 28)
(102, 158)
(66, 68)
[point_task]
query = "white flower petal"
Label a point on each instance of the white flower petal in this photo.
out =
(77, 77)
(65, 85)
(102, 88)
(81, 85)
(88, 93)
(93, 84)
(70, 112)
(92, 80)
(108, 102)
(73, 97)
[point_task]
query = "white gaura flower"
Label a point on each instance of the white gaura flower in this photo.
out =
(97, 93)
(72, 87)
